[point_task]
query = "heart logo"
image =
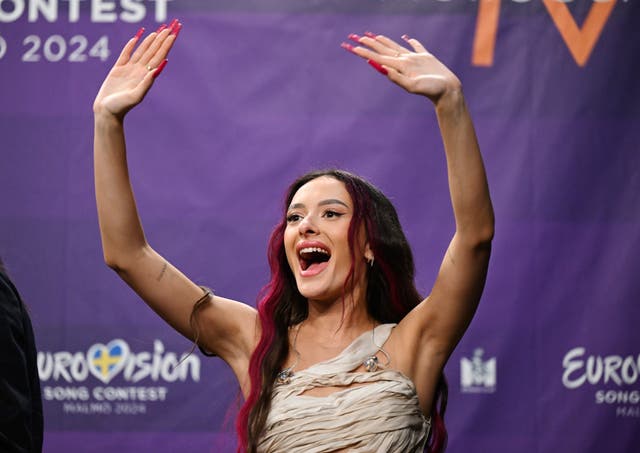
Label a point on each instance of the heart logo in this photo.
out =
(105, 362)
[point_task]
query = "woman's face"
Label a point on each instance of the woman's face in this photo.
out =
(316, 239)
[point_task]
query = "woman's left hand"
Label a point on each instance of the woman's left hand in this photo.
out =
(417, 70)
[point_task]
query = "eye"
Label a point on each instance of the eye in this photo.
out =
(331, 214)
(292, 218)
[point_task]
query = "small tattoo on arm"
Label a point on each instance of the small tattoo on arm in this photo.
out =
(164, 269)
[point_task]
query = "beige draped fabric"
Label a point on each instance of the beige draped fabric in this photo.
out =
(376, 411)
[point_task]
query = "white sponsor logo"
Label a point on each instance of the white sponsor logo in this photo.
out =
(478, 375)
(622, 372)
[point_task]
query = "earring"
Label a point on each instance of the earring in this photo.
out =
(371, 261)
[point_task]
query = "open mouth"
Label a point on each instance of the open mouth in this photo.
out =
(311, 257)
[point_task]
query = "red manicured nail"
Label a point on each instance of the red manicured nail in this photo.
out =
(162, 27)
(354, 37)
(347, 46)
(140, 33)
(378, 67)
(176, 29)
(370, 35)
(173, 23)
(406, 37)
(159, 69)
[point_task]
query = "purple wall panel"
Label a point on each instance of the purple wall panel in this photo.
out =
(257, 92)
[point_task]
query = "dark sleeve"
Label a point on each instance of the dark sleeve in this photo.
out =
(20, 399)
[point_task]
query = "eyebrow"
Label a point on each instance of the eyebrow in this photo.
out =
(322, 203)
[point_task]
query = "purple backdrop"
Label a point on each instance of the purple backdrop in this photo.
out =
(257, 92)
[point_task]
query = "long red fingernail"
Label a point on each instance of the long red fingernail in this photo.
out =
(140, 33)
(173, 23)
(160, 67)
(347, 46)
(370, 35)
(378, 67)
(176, 29)
(162, 27)
(354, 37)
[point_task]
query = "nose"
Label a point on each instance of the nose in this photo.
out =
(307, 226)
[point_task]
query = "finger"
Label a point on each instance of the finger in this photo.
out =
(166, 46)
(126, 51)
(142, 48)
(414, 43)
(370, 55)
(381, 45)
(360, 51)
(390, 44)
(125, 54)
(396, 76)
(378, 67)
(154, 47)
(400, 79)
(159, 49)
(159, 69)
(145, 85)
(162, 52)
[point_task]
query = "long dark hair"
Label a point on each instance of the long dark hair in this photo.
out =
(391, 294)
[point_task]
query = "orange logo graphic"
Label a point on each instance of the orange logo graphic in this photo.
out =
(580, 41)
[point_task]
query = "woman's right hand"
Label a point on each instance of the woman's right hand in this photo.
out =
(134, 72)
(417, 70)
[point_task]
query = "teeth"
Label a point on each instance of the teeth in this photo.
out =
(312, 250)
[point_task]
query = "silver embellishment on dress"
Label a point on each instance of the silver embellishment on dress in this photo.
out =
(284, 377)
(370, 363)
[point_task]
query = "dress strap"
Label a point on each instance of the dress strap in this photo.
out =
(367, 344)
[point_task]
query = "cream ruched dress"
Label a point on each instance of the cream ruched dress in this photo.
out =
(376, 412)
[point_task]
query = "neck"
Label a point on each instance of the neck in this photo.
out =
(346, 317)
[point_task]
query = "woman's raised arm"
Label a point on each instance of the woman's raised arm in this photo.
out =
(227, 328)
(434, 327)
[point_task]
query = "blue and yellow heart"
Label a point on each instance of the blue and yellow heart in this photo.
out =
(106, 361)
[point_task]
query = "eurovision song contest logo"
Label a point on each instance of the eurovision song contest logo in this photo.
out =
(614, 378)
(84, 382)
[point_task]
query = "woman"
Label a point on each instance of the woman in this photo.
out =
(342, 353)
